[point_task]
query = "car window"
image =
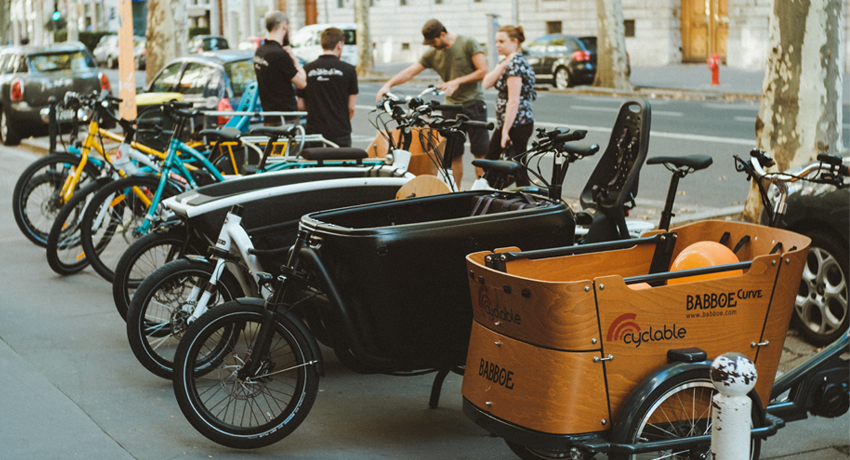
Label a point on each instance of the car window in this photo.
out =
(216, 44)
(194, 79)
(166, 80)
(4, 58)
(538, 46)
(241, 74)
(55, 62)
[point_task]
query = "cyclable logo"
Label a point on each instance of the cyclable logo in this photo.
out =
(625, 328)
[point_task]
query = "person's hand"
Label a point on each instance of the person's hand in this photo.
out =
(292, 55)
(506, 138)
(449, 87)
(380, 96)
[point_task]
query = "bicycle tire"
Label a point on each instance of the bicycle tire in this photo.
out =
(156, 319)
(662, 415)
(123, 215)
(143, 257)
(292, 352)
(42, 181)
(64, 251)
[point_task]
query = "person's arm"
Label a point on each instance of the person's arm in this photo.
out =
(300, 78)
(302, 104)
(491, 78)
(512, 107)
(402, 77)
(352, 103)
(480, 63)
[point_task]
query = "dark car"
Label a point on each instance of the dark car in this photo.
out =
(561, 60)
(212, 80)
(201, 43)
(590, 44)
(29, 75)
(821, 212)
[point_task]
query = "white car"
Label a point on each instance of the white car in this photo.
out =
(306, 43)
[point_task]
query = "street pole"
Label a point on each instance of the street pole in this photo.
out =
(492, 27)
(515, 12)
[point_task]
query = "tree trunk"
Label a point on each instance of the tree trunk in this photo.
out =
(364, 41)
(611, 64)
(800, 113)
(167, 35)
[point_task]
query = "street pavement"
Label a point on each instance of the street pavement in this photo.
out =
(74, 390)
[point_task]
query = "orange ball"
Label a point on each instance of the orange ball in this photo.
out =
(702, 255)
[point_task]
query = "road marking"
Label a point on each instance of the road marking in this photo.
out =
(746, 119)
(617, 110)
(714, 105)
(688, 137)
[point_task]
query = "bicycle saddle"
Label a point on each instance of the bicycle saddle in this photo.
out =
(226, 134)
(274, 131)
(498, 166)
(326, 153)
(695, 162)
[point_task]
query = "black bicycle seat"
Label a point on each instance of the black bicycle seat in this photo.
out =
(274, 131)
(325, 153)
(498, 166)
(695, 162)
(225, 134)
(580, 151)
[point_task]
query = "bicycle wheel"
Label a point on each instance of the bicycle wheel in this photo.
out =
(244, 412)
(156, 318)
(143, 257)
(36, 197)
(65, 253)
(680, 407)
(112, 219)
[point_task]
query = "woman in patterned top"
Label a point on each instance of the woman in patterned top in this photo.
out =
(514, 79)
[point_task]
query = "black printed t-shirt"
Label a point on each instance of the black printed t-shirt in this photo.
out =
(329, 83)
(275, 69)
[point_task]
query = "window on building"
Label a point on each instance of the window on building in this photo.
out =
(438, 1)
(339, 3)
(402, 2)
(629, 25)
(553, 27)
(405, 46)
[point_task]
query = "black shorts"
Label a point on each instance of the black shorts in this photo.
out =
(478, 138)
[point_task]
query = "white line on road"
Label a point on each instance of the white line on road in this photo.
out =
(615, 110)
(746, 119)
(687, 137)
(714, 105)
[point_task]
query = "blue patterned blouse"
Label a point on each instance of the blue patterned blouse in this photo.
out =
(519, 67)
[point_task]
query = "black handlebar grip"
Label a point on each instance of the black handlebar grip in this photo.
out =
(488, 125)
(576, 135)
(180, 104)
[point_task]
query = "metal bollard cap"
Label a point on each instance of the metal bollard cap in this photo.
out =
(733, 374)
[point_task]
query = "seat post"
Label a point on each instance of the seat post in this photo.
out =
(667, 213)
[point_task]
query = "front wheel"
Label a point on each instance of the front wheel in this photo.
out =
(562, 78)
(159, 311)
(820, 309)
(65, 254)
(241, 411)
(679, 407)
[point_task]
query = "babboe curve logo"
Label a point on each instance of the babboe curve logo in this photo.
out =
(623, 324)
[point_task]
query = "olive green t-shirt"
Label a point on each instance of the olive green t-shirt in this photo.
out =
(453, 63)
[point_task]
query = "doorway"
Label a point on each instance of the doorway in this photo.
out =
(705, 29)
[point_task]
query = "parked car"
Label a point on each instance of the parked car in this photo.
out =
(29, 75)
(563, 60)
(140, 53)
(106, 51)
(250, 43)
(822, 213)
(306, 43)
(590, 44)
(201, 43)
(212, 80)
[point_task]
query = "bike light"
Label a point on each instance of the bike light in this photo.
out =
(224, 106)
(17, 91)
(581, 56)
(104, 81)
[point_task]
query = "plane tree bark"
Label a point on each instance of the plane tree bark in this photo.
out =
(167, 33)
(611, 64)
(364, 41)
(800, 113)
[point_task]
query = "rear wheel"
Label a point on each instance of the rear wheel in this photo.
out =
(9, 132)
(36, 198)
(820, 309)
(562, 78)
(65, 254)
(158, 314)
(680, 407)
(241, 411)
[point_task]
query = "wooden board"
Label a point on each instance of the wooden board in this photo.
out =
(544, 390)
(424, 185)
(420, 161)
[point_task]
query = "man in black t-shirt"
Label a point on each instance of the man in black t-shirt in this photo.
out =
(277, 69)
(331, 92)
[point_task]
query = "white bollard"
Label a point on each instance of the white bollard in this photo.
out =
(734, 375)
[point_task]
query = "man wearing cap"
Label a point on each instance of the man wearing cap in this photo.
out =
(460, 62)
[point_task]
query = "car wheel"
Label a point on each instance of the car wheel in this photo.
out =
(9, 134)
(820, 309)
(562, 78)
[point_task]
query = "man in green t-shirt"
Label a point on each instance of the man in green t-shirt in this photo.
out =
(460, 62)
